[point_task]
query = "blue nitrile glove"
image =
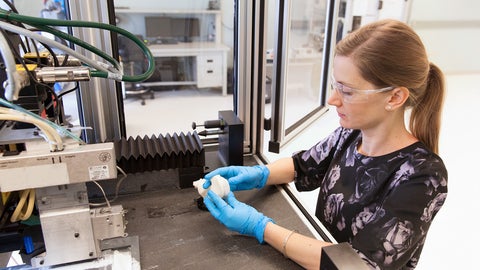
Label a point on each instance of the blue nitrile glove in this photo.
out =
(241, 177)
(237, 216)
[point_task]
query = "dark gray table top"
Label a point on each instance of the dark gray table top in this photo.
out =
(175, 234)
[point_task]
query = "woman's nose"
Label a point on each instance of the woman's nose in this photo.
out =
(334, 99)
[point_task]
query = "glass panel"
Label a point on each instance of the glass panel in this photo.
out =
(304, 61)
(192, 44)
(191, 81)
(299, 67)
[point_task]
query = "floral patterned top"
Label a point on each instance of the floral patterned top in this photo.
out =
(383, 206)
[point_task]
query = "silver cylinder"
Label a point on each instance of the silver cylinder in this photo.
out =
(62, 74)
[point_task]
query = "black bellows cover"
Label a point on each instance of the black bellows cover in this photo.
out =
(160, 153)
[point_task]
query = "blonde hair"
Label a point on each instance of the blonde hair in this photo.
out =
(389, 52)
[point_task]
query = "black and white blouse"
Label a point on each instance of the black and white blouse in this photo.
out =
(383, 206)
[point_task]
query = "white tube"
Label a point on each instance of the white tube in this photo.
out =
(11, 88)
(53, 43)
(59, 129)
(53, 137)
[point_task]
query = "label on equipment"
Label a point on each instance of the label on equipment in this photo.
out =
(98, 172)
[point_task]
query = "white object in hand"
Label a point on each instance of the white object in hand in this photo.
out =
(219, 185)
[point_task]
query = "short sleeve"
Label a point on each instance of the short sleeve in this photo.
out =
(312, 165)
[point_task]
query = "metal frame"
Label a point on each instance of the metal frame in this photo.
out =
(249, 69)
(280, 134)
(100, 100)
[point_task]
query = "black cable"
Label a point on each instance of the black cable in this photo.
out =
(49, 88)
(37, 53)
(65, 60)
(61, 94)
(52, 53)
(11, 6)
(14, 9)
(50, 50)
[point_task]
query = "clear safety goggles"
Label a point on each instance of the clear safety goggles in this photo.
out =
(352, 95)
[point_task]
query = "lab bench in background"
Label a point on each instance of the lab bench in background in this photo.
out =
(205, 65)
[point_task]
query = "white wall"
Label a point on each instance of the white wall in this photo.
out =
(450, 31)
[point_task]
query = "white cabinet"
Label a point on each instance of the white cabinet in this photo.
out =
(209, 70)
(210, 57)
(210, 63)
(200, 13)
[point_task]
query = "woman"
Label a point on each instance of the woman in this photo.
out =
(380, 183)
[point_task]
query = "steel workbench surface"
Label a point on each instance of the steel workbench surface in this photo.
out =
(175, 234)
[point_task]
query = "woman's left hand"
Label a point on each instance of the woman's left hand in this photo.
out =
(237, 216)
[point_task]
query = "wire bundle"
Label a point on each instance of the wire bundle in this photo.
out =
(25, 205)
(52, 136)
(15, 23)
(27, 27)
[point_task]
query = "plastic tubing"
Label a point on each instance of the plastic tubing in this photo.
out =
(53, 43)
(17, 213)
(58, 128)
(11, 91)
(39, 22)
(53, 137)
(80, 43)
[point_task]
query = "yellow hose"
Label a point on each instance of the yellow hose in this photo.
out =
(24, 211)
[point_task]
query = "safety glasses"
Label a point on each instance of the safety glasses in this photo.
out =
(352, 95)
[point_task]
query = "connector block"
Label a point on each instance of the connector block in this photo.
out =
(38, 167)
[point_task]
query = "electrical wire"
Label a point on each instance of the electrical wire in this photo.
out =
(64, 92)
(26, 48)
(117, 189)
(24, 211)
(81, 43)
(61, 130)
(104, 195)
(53, 43)
(40, 22)
(12, 85)
(53, 138)
(48, 48)
(32, 76)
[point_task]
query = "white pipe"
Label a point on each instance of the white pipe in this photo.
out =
(54, 138)
(53, 43)
(10, 85)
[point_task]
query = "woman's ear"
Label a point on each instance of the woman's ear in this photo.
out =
(398, 97)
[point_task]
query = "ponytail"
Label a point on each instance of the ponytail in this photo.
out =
(426, 112)
(389, 52)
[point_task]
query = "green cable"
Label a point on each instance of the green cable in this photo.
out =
(42, 22)
(79, 42)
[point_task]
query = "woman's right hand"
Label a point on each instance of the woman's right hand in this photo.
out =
(241, 177)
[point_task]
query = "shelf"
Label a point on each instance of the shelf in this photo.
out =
(209, 58)
(160, 83)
